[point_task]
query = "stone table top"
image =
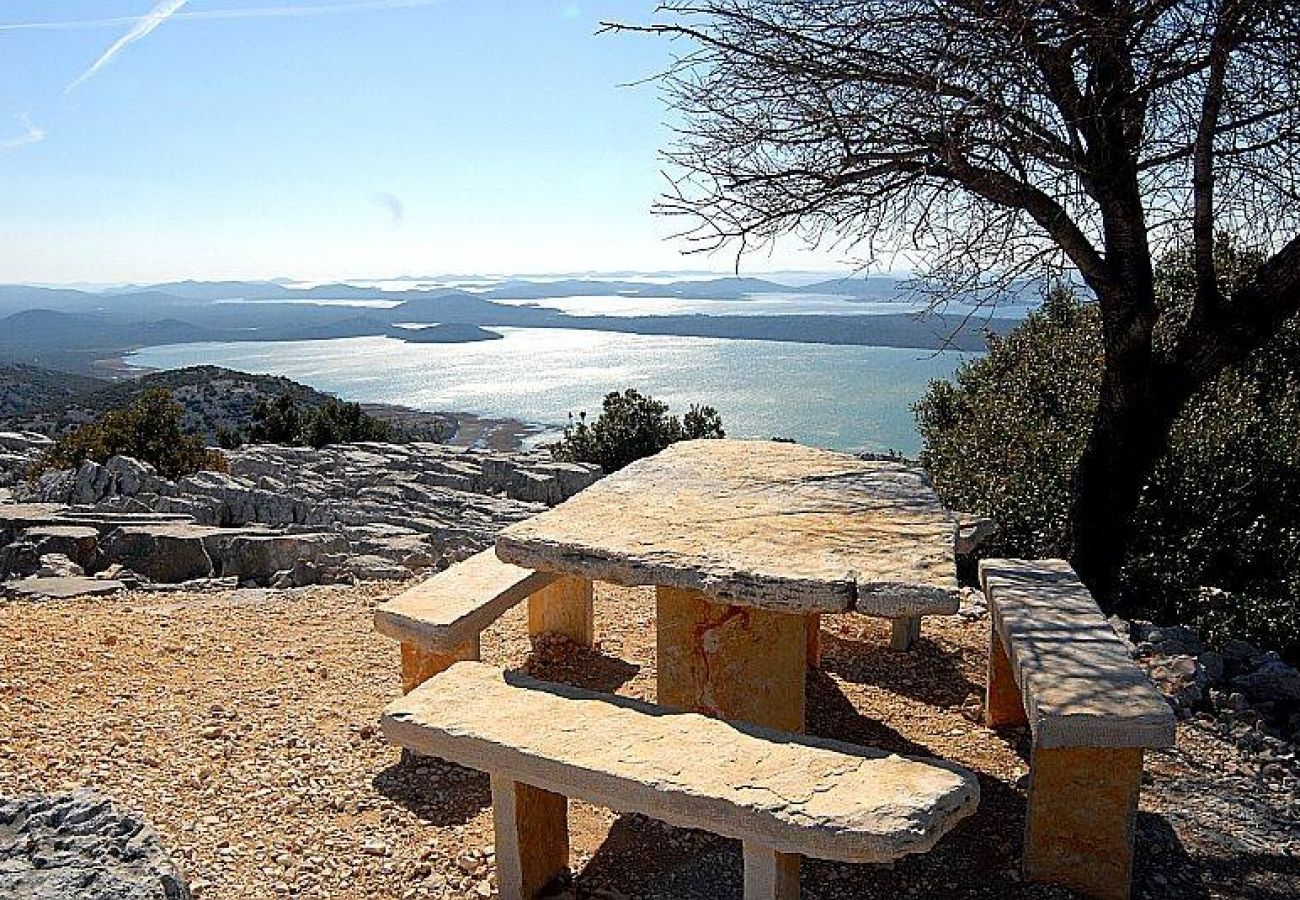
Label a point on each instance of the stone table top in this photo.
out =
(756, 523)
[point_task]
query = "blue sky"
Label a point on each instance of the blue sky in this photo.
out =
(330, 138)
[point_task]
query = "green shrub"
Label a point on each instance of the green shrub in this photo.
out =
(335, 422)
(277, 421)
(283, 421)
(1218, 529)
(630, 426)
(148, 430)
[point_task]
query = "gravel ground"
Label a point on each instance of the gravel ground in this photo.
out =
(242, 724)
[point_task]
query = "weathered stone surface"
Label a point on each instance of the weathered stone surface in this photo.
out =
(57, 565)
(791, 794)
(564, 607)
(166, 553)
(79, 845)
(61, 588)
(16, 517)
(1079, 821)
(441, 502)
(1079, 685)
(80, 543)
(758, 523)
(368, 567)
(446, 610)
(259, 558)
(734, 662)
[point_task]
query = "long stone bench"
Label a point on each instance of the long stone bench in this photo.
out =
(439, 620)
(1057, 665)
(783, 795)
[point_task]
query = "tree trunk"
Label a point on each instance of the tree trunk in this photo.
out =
(1127, 440)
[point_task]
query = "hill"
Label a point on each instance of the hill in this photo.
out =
(212, 397)
(26, 391)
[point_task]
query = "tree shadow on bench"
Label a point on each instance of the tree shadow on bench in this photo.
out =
(438, 792)
(928, 672)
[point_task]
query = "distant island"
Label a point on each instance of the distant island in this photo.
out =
(87, 331)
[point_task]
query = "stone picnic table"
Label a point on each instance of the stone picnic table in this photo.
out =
(748, 544)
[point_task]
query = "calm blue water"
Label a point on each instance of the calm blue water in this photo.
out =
(848, 398)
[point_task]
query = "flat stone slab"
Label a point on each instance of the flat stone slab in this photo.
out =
(1079, 685)
(63, 587)
(756, 523)
(786, 792)
(454, 606)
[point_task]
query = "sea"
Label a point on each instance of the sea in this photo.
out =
(852, 398)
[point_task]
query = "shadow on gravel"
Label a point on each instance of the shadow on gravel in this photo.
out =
(643, 857)
(439, 792)
(582, 667)
(830, 714)
(1162, 867)
(927, 672)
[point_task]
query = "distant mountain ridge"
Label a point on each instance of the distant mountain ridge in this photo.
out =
(80, 330)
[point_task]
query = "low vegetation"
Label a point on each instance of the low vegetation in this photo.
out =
(286, 421)
(1217, 531)
(149, 430)
(630, 426)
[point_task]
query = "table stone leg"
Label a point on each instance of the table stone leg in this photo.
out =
(419, 665)
(1003, 704)
(905, 632)
(1079, 824)
(770, 875)
(814, 623)
(564, 607)
(735, 662)
(532, 837)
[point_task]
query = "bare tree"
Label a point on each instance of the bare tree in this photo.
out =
(1007, 138)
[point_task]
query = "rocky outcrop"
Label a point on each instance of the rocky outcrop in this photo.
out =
(167, 553)
(55, 847)
(1249, 696)
(283, 515)
(19, 450)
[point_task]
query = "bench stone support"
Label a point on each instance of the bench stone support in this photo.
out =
(814, 642)
(906, 631)
(419, 665)
(564, 607)
(1079, 825)
(734, 662)
(770, 875)
(1003, 704)
(532, 837)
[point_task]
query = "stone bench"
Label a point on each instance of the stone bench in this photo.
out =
(783, 795)
(439, 620)
(1057, 665)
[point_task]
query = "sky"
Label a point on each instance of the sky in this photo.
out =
(149, 140)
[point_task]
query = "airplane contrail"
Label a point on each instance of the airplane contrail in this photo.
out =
(141, 29)
(31, 135)
(253, 12)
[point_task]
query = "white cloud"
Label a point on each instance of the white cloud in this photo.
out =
(31, 135)
(392, 204)
(140, 30)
